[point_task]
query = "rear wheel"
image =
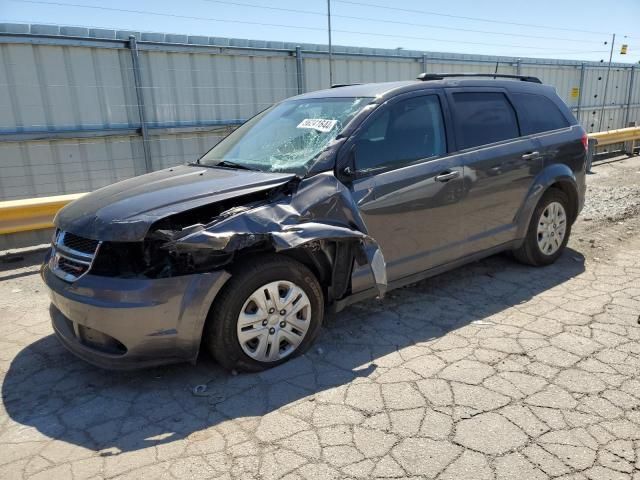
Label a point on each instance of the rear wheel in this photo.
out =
(270, 311)
(548, 231)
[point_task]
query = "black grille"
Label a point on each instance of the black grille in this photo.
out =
(84, 245)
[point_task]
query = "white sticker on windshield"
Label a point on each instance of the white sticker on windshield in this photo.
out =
(320, 124)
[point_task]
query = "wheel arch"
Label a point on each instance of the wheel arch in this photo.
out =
(331, 261)
(571, 191)
(558, 176)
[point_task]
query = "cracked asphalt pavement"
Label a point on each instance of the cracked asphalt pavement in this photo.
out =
(493, 370)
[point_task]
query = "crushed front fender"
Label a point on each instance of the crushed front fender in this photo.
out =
(320, 208)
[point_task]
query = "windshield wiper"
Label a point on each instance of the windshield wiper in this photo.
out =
(228, 164)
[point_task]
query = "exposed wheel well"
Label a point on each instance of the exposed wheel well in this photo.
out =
(315, 260)
(330, 261)
(570, 191)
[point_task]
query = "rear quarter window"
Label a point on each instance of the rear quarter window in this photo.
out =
(482, 118)
(537, 113)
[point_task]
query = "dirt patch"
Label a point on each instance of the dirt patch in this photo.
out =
(611, 215)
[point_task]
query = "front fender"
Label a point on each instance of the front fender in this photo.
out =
(550, 175)
(321, 209)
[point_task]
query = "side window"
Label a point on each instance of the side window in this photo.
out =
(377, 129)
(482, 118)
(537, 113)
(407, 131)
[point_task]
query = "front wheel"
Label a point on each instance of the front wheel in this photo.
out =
(548, 231)
(270, 311)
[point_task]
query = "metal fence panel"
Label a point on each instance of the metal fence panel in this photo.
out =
(83, 88)
(358, 70)
(635, 92)
(64, 88)
(564, 79)
(170, 150)
(45, 168)
(634, 113)
(617, 90)
(435, 66)
(193, 88)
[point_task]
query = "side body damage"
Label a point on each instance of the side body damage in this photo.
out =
(316, 214)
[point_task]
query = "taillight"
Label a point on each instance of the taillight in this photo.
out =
(585, 141)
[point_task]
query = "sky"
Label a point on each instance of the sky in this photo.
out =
(535, 28)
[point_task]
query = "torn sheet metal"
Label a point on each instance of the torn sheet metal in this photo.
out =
(321, 208)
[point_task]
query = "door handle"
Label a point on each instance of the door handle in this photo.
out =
(530, 156)
(446, 176)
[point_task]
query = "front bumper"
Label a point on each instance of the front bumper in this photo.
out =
(121, 323)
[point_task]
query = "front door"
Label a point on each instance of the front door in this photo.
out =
(407, 187)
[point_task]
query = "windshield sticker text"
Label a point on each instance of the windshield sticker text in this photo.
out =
(320, 124)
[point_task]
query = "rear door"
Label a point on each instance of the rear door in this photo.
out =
(499, 165)
(540, 118)
(407, 185)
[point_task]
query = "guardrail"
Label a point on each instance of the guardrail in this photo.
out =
(32, 213)
(37, 213)
(616, 136)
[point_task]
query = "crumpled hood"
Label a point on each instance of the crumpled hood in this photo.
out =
(126, 210)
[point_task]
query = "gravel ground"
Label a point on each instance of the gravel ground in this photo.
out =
(492, 371)
(610, 197)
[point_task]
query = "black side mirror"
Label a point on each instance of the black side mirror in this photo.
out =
(348, 171)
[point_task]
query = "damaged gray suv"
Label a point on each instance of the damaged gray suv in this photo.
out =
(321, 200)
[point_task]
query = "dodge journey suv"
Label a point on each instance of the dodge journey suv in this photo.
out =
(319, 201)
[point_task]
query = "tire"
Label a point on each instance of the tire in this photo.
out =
(248, 282)
(531, 251)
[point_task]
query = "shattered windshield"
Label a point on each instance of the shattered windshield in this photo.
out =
(287, 136)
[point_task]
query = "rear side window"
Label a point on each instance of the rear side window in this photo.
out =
(538, 113)
(483, 118)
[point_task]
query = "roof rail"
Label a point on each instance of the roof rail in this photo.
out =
(338, 85)
(441, 76)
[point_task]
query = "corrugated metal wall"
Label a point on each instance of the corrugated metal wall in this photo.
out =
(70, 120)
(188, 88)
(46, 87)
(357, 70)
(181, 148)
(52, 167)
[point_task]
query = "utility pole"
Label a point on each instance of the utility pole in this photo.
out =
(330, 48)
(606, 83)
